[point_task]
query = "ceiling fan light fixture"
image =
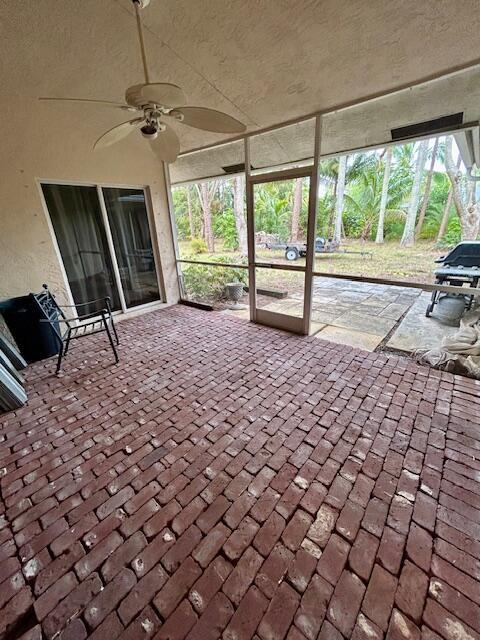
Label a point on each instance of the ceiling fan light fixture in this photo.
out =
(149, 131)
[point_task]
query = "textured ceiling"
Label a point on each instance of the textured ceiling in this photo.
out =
(263, 61)
(358, 127)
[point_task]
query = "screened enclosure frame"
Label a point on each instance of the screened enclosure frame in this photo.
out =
(300, 325)
(109, 237)
(277, 320)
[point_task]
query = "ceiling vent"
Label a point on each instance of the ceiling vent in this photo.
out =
(437, 125)
(236, 168)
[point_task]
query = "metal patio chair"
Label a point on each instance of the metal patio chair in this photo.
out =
(76, 326)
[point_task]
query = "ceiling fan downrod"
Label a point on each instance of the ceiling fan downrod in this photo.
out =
(141, 4)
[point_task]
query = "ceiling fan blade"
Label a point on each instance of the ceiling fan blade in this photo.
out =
(106, 103)
(161, 93)
(166, 145)
(211, 120)
(117, 133)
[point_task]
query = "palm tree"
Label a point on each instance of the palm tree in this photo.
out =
(273, 209)
(206, 192)
(408, 237)
(329, 173)
(342, 168)
(428, 188)
(446, 209)
(365, 199)
(239, 213)
(190, 213)
(383, 199)
(297, 207)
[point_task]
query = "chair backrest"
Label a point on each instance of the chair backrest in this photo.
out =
(49, 308)
(465, 254)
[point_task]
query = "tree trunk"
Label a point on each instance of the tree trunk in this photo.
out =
(297, 207)
(383, 200)
(366, 231)
(408, 238)
(445, 216)
(239, 212)
(446, 210)
(468, 213)
(428, 189)
(190, 213)
(471, 219)
(331, 213)
(205, 200)
(342, 168)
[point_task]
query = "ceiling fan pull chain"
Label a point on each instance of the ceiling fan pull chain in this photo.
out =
(142, 43)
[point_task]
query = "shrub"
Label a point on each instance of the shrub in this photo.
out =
(197, 245)
(208, 283)
(453, 235)
(224, 226)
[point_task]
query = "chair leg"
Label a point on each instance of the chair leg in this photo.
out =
(67, 344)
(432, 304)
(59, 360)
(114, 330)
(112, 344)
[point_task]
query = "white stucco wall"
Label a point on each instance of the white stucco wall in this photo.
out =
(47, 142)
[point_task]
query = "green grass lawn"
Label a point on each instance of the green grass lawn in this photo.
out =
(389, 260)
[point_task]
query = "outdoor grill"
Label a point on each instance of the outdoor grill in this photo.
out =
(460, 267)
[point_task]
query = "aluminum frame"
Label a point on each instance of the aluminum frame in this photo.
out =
(99, 186)
(263, 317)
(283, 321)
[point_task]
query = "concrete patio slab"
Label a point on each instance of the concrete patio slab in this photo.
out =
(416, 331)
(324, 316)
(394, 310)
(351, 337)
(315, 327)
(375, 325)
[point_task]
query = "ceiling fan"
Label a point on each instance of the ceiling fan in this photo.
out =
(154, 103)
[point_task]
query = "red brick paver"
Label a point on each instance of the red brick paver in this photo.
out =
(231, 481)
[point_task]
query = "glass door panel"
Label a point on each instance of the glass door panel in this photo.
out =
(77, 222)
(280, 291)
(128, 221)
(281, 213)
(280, 221)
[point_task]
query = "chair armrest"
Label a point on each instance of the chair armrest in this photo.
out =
(53, 320)
(84, 304)
(94, 314)
(86, 316)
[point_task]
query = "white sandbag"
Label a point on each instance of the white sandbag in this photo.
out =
(460, 352)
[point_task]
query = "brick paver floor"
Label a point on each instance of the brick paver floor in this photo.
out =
(231, 481)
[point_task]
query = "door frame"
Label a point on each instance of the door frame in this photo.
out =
(258, 315)
(99, 186)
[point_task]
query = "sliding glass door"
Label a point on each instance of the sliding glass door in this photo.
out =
(105, 243)
(128, 220)
(76, 217)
